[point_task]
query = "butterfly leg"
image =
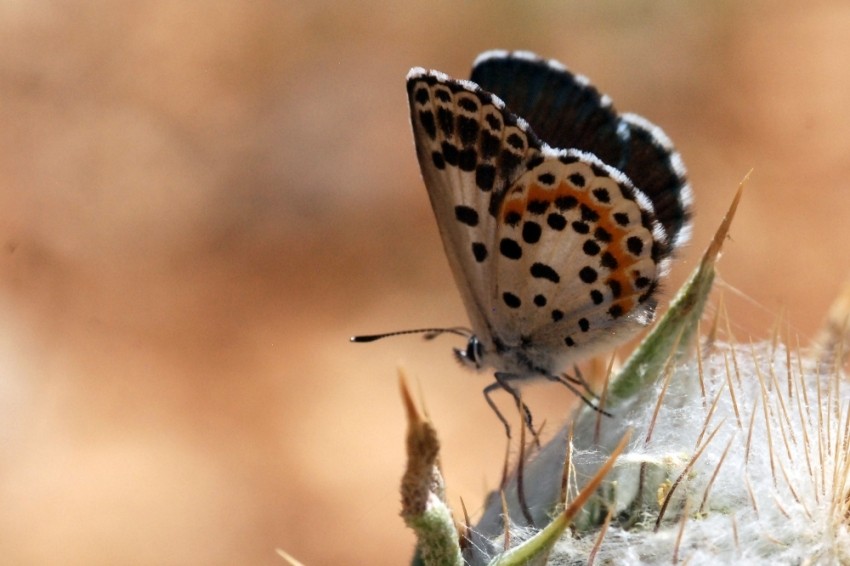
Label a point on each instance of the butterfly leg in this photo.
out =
(487, 391)
(503, 382)
(579, 380)
(568, 383)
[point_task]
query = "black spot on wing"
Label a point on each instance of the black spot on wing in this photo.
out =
(485, 176)
(566, 203)
(515, 141)
(602, 195)
(468, 104)
(508, 161)
(577, 179)
(580, 227)
(590, 247)
(556, 221)
(634, 245)
(588, 214)
(490, 145)
(531, 232)
(543, 271)
(546, 178)
(602, 234)
(534, 162)
(467, 129)
(537, 206)
(422, 96)
(467, 159)
(479, 251)
(450, 153)
(446, 120)
(608, 260)
(511, 300)
(510, 249)
(466, 215)
(426, 118)
(438, 160)
(513, 218)
(588, 274)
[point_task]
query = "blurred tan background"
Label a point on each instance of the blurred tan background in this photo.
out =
(201, 202)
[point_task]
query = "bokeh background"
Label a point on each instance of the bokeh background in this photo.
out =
(201, 201)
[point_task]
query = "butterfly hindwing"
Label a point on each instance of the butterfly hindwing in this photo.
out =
(579, 258)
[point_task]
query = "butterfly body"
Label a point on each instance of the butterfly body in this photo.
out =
(556, 251)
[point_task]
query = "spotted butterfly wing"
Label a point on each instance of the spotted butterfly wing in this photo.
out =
(579, 263)
(555, 253)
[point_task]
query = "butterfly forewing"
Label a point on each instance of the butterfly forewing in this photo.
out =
(470, 150)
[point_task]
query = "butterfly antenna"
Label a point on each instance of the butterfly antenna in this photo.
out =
(430, 334)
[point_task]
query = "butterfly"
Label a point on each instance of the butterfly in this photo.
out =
(558, 215)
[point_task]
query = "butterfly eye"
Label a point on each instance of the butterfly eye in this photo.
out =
(473, 354)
